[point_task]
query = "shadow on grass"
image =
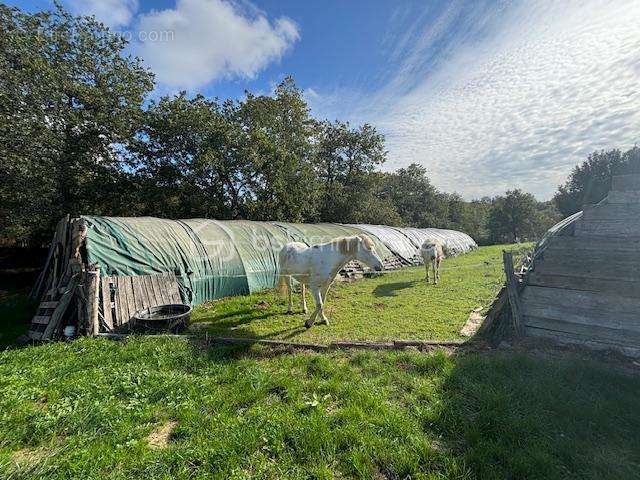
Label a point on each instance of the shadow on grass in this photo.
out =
(391, 289)
(495, 415)
(16, 312)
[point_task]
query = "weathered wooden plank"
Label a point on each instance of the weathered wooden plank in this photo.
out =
(613, 244)
(121, 299)
(50, 304)
(106, 302)
(584, 316)
(174, 289)
(611, 270)
(159, 290)
(581, 299)
(131, 302)
(625, 183)
(58, 313)
(621, 336)
(162, 281)
(168, 279)
(592, 249)
(512, 290)
(141, 299)
(623, 197)
(609, 227)
(43, 319)
(568, 338)
(588, 284)
(92, 296)
(595, 258)
(147, 284)
(620, 211)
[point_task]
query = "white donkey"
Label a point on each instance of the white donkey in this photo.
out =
(432, 252)
(316, 267)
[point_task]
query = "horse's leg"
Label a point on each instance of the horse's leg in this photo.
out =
(427, 265)
(317, 298)
(290, 289)
(435, 272)
(304, 297)
(323, 292)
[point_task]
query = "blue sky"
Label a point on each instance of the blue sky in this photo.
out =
(487, 94)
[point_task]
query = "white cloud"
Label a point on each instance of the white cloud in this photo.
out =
(114, 13)
(518, 98)
(205, 40)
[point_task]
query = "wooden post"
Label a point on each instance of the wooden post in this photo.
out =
(512, 290)
(92, 292)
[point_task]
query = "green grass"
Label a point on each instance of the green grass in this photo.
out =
(86, 409)
(394, 305)
(92, 408)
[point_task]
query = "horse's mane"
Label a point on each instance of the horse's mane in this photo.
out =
(350, 244)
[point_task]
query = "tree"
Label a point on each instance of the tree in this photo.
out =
(71, 100)
(477, 220)
(590, 181)
(514, 217)
(346, 160)
(187, 158)
(279, 132)
(415, 199)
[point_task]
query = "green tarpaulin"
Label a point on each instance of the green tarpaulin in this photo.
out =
(213, 259)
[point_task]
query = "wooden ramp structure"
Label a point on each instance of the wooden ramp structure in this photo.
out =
(584, 286)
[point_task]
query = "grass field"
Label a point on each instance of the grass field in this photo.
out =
(394, 305)
(159, 408)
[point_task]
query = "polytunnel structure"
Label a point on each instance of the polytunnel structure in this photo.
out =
(140, 259)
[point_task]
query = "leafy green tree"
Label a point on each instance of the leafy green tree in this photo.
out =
(514, 217)
(477, 220)
(187, 158)
(415, 199)
(346, 161)
(278, 144)
(590, 181)
(70, 101)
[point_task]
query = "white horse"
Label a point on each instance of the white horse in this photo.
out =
(432, 253)
(316, 267)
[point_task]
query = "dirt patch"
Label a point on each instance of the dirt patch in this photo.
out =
(473, 323)
(28, 456)
(161, 436)
(380, 306)
(262, 305)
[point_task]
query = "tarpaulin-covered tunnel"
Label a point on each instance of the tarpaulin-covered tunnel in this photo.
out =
(140, 262)
(213, 259)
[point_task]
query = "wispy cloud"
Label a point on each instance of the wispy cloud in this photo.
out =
(518, 94)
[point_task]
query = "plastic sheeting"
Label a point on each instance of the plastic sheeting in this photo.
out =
(396, 241)
(213, 259)
(455, 242)
(313, 234)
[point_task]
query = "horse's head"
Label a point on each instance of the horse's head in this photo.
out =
(364, 250)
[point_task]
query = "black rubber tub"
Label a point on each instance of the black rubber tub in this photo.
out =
(163, 318)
